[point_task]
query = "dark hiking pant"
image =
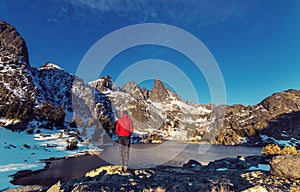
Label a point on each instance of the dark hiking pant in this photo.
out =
(124, 145)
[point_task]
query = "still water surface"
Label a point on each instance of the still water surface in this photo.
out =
(176, 154)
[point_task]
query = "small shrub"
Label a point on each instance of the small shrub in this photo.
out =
(289, 150)
(160, 189)
(295, 189)
(271, 149)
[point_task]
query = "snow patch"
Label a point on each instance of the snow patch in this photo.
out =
(49, 66)
(289, 142)
(7, 122)
(16, 166)
(263, 167)
(222, 169)
(23, 151)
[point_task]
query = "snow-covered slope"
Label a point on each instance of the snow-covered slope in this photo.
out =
(55, 85)
(159, 111)
(28, 151)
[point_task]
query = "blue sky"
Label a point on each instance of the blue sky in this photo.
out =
(256, 43)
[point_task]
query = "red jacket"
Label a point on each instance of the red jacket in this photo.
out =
(124, 126)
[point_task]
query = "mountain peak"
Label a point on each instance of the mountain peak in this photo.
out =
(103, 84)
(160, 93)
(158, 84)
(282, 102)
(16, 83)
(49, 65)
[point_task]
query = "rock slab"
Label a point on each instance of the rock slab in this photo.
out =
(286, 166)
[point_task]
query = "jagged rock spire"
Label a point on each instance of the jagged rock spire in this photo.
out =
(160, 93)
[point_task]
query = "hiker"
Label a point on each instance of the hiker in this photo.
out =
(124, 130)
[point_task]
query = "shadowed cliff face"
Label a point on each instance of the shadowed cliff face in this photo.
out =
(17, 89)
(12, 44)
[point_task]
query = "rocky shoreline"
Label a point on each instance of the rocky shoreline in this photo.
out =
(229, 174)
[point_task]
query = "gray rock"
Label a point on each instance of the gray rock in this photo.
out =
(256, 189)
(286, 166)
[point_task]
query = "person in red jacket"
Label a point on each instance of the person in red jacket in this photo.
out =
(124, 130)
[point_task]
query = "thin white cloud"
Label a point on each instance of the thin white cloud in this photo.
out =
(174, 12)
(17, 166)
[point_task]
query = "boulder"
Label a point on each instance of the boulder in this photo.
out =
(55, 188)
(192, 163)
(256, 189)
(286, 166)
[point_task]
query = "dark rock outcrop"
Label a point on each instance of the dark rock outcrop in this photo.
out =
(12, 44)
(286, 166)
(17, 88)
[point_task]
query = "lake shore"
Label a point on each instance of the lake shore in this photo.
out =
(141, 156)
(229, 174)
(61, 169)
